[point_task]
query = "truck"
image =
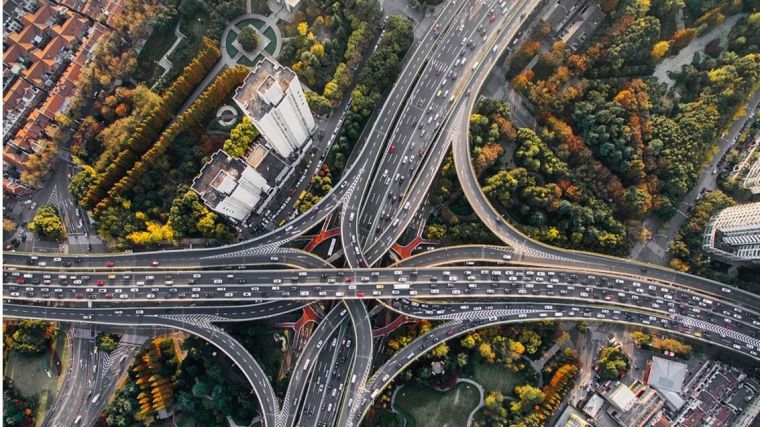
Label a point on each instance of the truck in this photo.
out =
(401, 286)
(95, 399)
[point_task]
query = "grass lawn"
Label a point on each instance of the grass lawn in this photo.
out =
(232, 50)
(496, 377)
(29, 377)
(245, 61)
(269, 33)
(258, 23)
(155, 47)
(431, 408)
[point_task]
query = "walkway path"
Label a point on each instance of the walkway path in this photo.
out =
(685, 56)
(470, 417)
(230, 58)
(164, 61)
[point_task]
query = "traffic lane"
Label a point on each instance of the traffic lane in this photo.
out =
(418, 192)
(393, 160)
(362, 358)
(659, 299)
(303, 367)
(380, 126)
(423, 344)
(287, 284)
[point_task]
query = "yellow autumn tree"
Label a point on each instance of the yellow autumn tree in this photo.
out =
(303, 28)
(441, 350)
(660, 49)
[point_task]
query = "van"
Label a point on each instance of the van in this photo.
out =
(422, 134)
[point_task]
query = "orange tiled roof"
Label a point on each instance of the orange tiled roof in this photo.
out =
(14, 187)
(13, 54)
(28, 137)
(15, 157)
(19, 89)
(25, 36)
(42, 15)
(52, 105)
(73, 27)
(36, 72)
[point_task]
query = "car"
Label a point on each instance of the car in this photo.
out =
(154, 263)
(360, 294)
(110, 263)
(100, 282)
(392, 149)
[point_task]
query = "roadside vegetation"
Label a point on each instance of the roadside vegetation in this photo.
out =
(614, 145)
(517, 395)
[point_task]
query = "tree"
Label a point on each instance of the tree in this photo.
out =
(640, 338)
(8, 226)
(107, 342)
(248, 38)
(660, 49)
(241, 138)
(486, 351)
(47, 223)
(612, 363)
(440, 351)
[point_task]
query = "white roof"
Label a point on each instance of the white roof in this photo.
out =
(594, 405)
(622, 397)
(667, 375)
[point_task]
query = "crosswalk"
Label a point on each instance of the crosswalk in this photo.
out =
(266, 249)
(722, 331)
(485, 314)
(200, 320)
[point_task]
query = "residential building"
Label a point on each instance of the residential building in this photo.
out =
(46, 46)
(717, 395)
(272, 97)
(734, 234)
(230, 186)
(752, 180)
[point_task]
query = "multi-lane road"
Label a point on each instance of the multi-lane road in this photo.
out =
(332, 383)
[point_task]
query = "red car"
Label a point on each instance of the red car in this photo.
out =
(20, 281)
(360, 293)
(392, 149)
(109, 295)
(80, 295)
(110, 263)
(100, 282)
(349, 279)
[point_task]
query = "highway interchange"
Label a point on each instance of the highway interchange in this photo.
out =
(332, 381)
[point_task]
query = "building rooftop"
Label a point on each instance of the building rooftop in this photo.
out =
(621, 397)
(263, 88)
(217, 178)
(593, 405)
(667, 375)
(267, 163)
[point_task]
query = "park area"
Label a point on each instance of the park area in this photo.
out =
(425, 407)
(35, 375)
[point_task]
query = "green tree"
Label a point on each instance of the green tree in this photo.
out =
(107, 342)
(241, 138)
(612, 363)
(47, 223)
(248, 38)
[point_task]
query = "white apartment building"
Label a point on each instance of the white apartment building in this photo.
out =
(734, 233)
(272, 97)
(230, 186)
